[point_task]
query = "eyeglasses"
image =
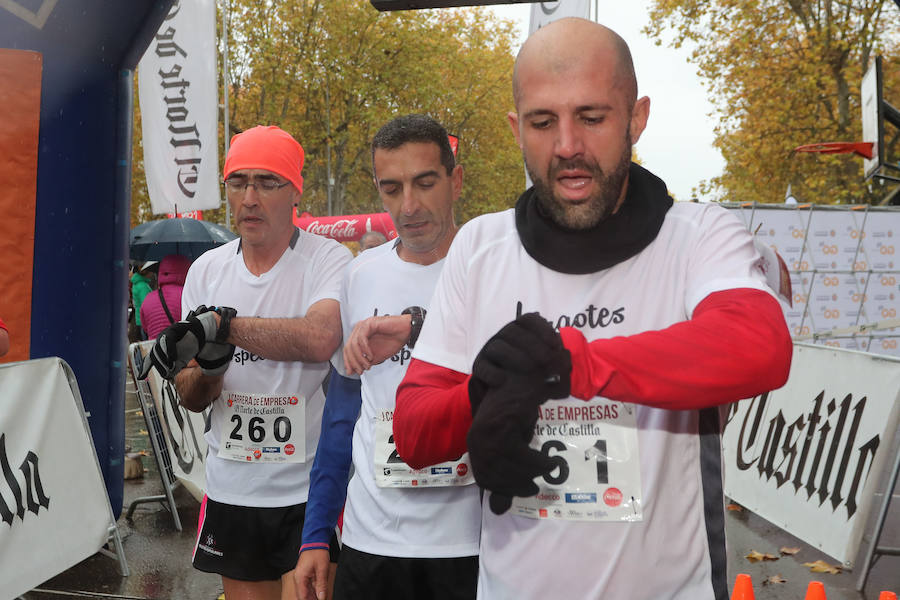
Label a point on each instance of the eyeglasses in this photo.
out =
(263, 187)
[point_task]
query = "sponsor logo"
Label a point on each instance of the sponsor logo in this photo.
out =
(581, 498)
(591, 316)
(441, 471)
(612, 497)
(415, 482)
(230, 401)
(257, 454)
(209, 550)
(387, 471)
(293, 400)
(244, 357)
(289, 449)
(543, 513)
(462, 469)
(271, 450)
(341, 230)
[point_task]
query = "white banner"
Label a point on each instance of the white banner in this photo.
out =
(182, 431)
(546, 12)
(843, 269)
(53, 500)
(179, 112)
(807, 457)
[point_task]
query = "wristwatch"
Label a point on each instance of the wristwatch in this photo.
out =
(417, 315)
(226, 313)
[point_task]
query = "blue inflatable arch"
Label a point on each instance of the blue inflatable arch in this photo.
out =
(89, 50)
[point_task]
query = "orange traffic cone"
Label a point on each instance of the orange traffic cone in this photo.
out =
(743, 588)
(887, 596)
(815, 591)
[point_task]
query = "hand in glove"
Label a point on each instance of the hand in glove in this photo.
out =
(527, 346)
(502, 461)
(215, 357)
(180, 342)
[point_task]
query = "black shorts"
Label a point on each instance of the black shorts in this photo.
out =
(364, 575)
(249, 543)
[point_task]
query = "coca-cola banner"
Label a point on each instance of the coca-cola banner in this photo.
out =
(347, 228)
(53, 500)
(197, 215)
(808, 456)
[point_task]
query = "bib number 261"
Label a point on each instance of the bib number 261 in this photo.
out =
(256, 430)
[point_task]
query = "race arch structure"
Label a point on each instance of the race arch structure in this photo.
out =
(66, 77)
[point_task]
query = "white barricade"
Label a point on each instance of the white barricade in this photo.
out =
(53, 501)
(801, 456)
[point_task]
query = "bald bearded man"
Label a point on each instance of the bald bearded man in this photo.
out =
(582, 347)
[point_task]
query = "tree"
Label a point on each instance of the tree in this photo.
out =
(332, 72)
(784, 73)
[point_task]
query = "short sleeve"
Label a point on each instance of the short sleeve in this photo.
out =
(724, 258)
(327, 270)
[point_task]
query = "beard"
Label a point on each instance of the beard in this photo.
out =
(598, 206)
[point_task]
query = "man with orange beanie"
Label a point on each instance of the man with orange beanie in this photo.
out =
(258, 366)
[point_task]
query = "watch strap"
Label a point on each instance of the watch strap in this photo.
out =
(417, 316)
(226, 313)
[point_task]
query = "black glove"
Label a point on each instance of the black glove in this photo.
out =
(215, 357)
(527, 346)
(179, 343)
(502, 461)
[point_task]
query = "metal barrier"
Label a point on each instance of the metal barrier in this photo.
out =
(157, 441)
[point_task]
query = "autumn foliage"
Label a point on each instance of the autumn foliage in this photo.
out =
(783, 73)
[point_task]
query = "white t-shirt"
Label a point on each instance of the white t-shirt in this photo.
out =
(308, 272)
(664, 552)
(411, 522)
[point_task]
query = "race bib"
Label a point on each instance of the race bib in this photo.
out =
(391, 471)
(262, 428)
(597, 476)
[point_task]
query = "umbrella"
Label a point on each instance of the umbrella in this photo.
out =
(187, 237)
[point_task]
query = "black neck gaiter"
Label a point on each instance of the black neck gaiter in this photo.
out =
(615, 239)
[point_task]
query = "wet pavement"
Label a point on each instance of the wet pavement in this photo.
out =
(159, 556)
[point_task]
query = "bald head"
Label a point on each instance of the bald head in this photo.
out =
(561, 45)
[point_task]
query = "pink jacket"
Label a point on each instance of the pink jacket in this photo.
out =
(172, 271)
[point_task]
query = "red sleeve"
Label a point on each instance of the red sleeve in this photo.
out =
(432, 415)
(3, 325)
(736, 345)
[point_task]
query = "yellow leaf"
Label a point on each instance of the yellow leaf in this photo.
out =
(755, 556)
(775, 579)
(736, 507)
(789, 551)
(820, 566)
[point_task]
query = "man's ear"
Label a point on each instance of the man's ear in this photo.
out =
(639, 116)
(513, 118)
(456, 180)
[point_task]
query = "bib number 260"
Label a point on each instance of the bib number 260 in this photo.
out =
(256, 430)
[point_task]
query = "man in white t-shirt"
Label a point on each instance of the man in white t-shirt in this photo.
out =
(407, 534)
(258, 366)
(580, 346)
